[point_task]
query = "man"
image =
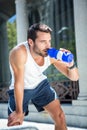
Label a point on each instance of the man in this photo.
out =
(28, 61)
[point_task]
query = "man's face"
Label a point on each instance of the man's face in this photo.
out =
(42, 43)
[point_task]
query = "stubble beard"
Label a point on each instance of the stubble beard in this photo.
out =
(37, 51)
(41, 54)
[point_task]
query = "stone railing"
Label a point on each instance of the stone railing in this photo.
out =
(66, 90)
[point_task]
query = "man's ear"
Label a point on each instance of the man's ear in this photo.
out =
(30, 42)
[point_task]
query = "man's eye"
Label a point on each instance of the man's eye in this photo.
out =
(42, 41)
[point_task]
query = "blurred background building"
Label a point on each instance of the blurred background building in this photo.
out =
(68, 20)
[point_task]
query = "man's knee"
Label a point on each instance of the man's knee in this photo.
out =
(59, 117)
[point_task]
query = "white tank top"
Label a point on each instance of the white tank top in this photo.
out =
(33, 74)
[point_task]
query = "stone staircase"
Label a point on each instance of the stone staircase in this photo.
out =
(76, 115)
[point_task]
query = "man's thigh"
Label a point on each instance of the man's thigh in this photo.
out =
(12, 104)
(53, 108)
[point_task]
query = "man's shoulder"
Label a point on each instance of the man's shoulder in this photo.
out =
(20, 48)
(18, 53)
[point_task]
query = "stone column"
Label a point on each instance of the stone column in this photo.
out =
(4, 62)
(22, 20)
(80, 17)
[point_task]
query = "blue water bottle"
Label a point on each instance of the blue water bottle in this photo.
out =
(60, 55)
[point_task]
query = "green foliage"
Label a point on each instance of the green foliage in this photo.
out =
(12, 35)
(69, 43)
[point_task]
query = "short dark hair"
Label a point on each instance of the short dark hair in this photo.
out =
(33, 29)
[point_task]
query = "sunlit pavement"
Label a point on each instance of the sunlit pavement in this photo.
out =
(31, 126)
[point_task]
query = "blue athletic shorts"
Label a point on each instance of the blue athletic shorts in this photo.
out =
(42, 95)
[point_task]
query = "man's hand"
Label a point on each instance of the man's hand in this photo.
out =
(69, 64)
(15, 119)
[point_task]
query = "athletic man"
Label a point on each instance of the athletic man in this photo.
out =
(28, 61)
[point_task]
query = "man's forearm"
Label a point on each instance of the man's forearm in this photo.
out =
(19, 91)
(73, 74)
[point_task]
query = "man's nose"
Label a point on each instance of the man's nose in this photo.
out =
(48, 45)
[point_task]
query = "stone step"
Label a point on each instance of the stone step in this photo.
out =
(77, 121)
(75, 115)
(80, 103)
(75, 110)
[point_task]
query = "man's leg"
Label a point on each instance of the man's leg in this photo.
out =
(56, 112)
(11, 108)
